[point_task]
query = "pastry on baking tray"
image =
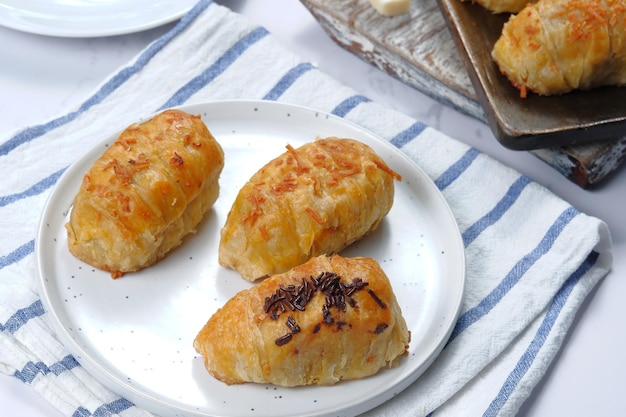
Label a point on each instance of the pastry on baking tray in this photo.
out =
(330, 319)
(503, 6)
(556, 46)
(148, 190)
(313, 200)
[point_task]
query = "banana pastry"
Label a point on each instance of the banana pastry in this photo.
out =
(309, 201)
(328, 320)
(149, 189)
(556, 46)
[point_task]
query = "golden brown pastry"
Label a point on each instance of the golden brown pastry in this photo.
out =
(503, 6)
(309, 201)
(327, 320)
(145, 193)
(556, 46)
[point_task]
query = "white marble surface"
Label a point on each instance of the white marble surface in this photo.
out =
(43, 77)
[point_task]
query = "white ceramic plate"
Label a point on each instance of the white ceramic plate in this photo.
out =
(135, 333)
(89, 18)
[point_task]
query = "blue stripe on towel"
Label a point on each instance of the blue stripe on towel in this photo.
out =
(18, 254)
(66, 364)
(30, 371)
(22, 316)
(527, 359)
(81, 412)
(217, 68)
(408, 134)
(113, 408)
(513, 276)
(287, 81)
(343, 108)
(109, 87)
(497, 212)
(38, 188)
(456, 169)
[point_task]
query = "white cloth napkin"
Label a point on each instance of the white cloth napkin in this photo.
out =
(531, 257)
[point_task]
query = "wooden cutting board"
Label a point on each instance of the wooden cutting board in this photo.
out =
(418, 49)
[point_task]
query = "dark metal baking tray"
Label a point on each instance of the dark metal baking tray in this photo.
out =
(536, 121)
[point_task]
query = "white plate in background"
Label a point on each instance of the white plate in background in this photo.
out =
(135, 334)
(90, 18)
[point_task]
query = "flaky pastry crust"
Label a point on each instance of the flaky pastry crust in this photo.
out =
(289, 331)
(556, 46)
(148, 190)
(313, 200)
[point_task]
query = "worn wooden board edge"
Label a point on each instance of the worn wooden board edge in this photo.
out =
(586, 165)
(429, 62)
(435, 75)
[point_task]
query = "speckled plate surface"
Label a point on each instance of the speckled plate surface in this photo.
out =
(135, 334)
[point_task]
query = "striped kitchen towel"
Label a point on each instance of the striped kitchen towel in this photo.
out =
(531, 258)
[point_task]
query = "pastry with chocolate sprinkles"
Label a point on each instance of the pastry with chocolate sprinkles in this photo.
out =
(330, 319)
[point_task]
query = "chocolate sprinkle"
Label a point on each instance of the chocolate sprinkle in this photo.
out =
(293, 326)
(283, 339)
(292, 297)
(381, 328)
(375, 297)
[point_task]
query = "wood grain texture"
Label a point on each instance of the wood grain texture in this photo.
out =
(418, 49)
